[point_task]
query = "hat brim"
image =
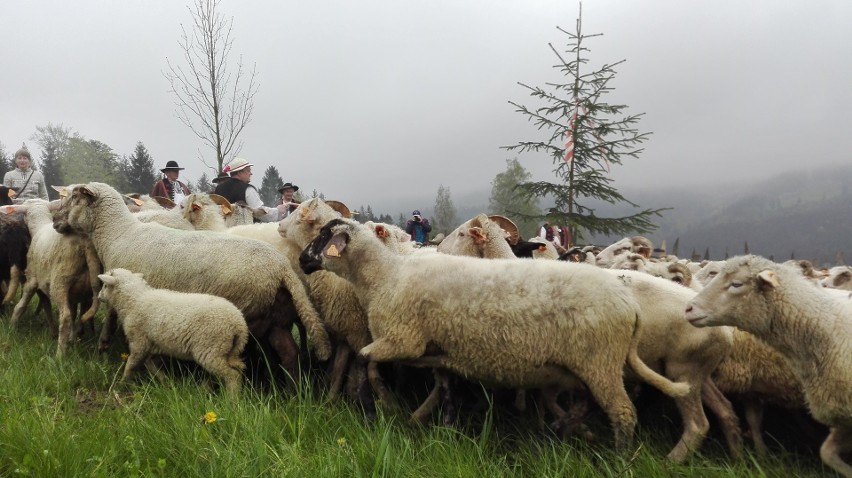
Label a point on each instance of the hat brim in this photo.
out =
(294, 188)
(240, 168)
(171, 169)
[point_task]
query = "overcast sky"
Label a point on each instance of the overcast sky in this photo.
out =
(380, 102)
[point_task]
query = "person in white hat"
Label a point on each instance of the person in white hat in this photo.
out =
(169, 186)
(237, 188)
(26, 182)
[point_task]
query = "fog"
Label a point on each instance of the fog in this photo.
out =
(381, 102)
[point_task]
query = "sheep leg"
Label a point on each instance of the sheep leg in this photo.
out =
(725, 415)
(379, 387)
(107, 329)
(285, 347)
(364, 392)
(839, 441)
(66, 329)
(93, 265)
(338, 369)
(607, 388)
(695, 426)
(754, 418)
(44, 306)
(444, 382)
(14, 283)
(304, 354)
(425, 409)
(30, 287)
(134, 360)
(222, 367)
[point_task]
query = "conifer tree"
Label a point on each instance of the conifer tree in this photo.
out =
(5, 161)
(505, 200)
(445, 217)
(139, 170)
(203, 185)
(269, 186)
(586, 136)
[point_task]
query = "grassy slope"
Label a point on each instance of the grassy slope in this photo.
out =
(72, 417)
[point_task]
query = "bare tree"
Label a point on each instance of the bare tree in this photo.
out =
(214, 102)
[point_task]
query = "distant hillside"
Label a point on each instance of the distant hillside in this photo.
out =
(806, 215)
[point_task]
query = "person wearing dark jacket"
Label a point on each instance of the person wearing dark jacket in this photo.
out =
(418, 227)
(169, 186)
(237, 188)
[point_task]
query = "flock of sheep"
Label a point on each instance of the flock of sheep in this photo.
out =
(502, 314)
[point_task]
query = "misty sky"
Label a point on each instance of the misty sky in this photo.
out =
(380, 102)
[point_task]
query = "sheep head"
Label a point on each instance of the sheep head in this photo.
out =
(329, 245)
(742, 294)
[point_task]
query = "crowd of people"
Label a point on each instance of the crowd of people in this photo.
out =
(233, 183)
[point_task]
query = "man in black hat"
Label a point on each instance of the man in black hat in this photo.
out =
(286, 204)
(169, 186)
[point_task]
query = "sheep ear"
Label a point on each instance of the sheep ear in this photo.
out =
(107, 279)
(195, 206)
(381, 231)
(89, 192)
(768, 278)
(477, 234)
(335, 245)
(223, 203)
(62, 190)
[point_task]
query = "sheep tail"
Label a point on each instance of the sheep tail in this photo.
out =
(661, 383)
(308, 314)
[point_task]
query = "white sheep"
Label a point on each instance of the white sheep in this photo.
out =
(686, 354)
(839, 277)
(489, 322)
(637, 244)
(63, 268)
(336, 298)
(810, 329)
(200, 327)
(251, 274)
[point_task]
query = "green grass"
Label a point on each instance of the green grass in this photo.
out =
(74, 417)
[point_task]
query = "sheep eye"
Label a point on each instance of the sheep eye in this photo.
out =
(678, 280)
(712, 274)
(736, 284)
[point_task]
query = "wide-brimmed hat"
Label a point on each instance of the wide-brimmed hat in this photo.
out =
(221, 177)
(171, 166)
(287, 186)
(237, 164)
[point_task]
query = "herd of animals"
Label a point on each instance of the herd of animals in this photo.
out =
(202, 282)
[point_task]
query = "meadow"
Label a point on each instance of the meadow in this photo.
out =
(75, 417)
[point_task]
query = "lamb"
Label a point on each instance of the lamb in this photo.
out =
(63, 268)
(487, 322)
(254, 276)
(200, 327)
(839, 277)
(811, 330)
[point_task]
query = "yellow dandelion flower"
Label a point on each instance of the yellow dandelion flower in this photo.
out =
(124, 357)
(341, 441)
(209, 417)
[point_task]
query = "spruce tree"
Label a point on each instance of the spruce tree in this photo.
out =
(506, 201)
(269, 186)
(586, 137)
(140, 172)
(203, 185)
